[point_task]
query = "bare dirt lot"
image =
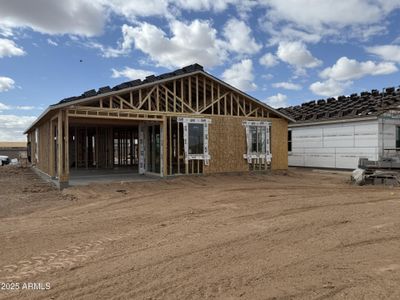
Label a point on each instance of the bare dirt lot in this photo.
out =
(295, 235)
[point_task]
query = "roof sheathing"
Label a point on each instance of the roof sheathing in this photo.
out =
(138, 84)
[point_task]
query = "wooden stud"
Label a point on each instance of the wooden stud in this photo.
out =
(178, 152)
(170, 145)
(60, 145)
(225, 109)
(231, 104)
(51, 150)
(166, 99)
(76, 148)
(218, 103)
(182, 94)
(66, 145)
(204, 92)
(197, 93)
(164, 145)
(174, 95)
(212, 97)
(190, 90)
(158, 98)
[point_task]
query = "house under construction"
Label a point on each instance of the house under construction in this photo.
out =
(183, 122)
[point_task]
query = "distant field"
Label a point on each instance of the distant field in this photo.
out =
(12, 144)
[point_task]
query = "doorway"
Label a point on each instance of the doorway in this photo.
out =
(154, 149)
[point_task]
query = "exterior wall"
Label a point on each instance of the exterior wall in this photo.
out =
(40, 149)
(227, 144)
(337, 145)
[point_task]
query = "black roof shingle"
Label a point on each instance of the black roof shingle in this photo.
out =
(345, 107)
(152, 78)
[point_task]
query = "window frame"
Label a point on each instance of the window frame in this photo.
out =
(290, 140)
(193, 156)
(264, 127)
(201, 135)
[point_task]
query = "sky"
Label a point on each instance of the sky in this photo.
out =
(281, 52)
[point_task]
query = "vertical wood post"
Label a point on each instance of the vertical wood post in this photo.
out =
(51, 150)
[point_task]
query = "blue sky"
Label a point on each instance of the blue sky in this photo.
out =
(281, 52)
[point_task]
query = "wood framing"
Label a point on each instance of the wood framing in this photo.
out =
(122, 126)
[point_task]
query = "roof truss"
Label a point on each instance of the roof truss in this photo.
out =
(192, 94)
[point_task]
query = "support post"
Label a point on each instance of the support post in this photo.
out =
(51, 154)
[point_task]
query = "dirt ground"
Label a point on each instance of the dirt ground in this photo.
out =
(295, 235)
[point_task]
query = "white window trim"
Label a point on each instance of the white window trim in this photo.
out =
(250, 155)
(291, 141)
(186, 121)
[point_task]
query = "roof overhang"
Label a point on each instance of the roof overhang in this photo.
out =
(334, 121)
(149, 84)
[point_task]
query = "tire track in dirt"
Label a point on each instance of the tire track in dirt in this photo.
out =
(69, 257)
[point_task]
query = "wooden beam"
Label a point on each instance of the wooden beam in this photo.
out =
(170, 145)
(190, 90)
(164, 145)
(60, 145)
(123, 101)
(178, 151)
(166, 99)
(158, 98)
(51, 150)
(197, 93)
(212, 103)
(182, 93)
(204, 92)
(218, 103)
(174, 95)
(66, 146)
(212, 97)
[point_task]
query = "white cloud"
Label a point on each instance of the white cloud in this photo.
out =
(6, 84)
(25, 107)
(276, 101)
(297, 55)
(9, 48)
(133, 8)
(188, 44)
(386, 52)
(51, 42)
(312, 20)
(203, 5)
(287, 86)
(329, 88)
(241, 75)
(268, 60)
(79, 17)
(13, 126)
(4, 107)
(130, 73)
(346, 69)
(239, 37)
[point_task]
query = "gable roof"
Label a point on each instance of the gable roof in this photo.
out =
(366, 104)
(148, 81)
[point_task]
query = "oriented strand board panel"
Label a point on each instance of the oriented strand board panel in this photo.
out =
(279, 144)
(227, 144)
